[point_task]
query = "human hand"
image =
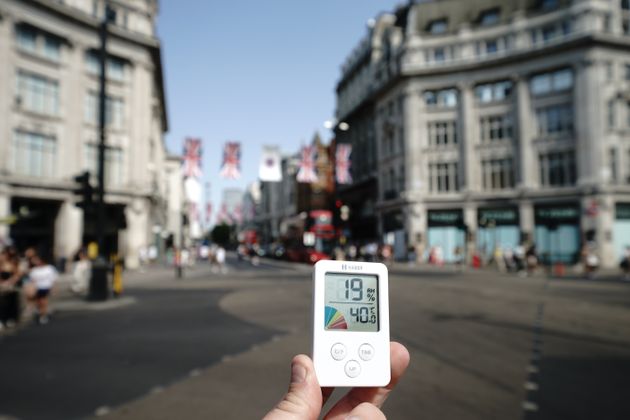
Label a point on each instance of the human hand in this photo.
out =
(305, 397)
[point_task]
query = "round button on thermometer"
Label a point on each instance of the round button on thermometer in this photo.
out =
(353, 368)
(338, 351)
(366, 352)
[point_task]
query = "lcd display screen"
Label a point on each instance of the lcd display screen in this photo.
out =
(351, 302)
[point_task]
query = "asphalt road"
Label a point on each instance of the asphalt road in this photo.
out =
(483, 346)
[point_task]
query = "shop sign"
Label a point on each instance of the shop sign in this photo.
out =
(445, 217)
(557, 213)
(498, 216)
(622, 211)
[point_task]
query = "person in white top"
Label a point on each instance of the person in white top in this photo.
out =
(43, 276)
(220, 257)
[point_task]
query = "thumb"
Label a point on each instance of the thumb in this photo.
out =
(304, 398)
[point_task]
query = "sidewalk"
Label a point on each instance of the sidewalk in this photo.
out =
(571, 272)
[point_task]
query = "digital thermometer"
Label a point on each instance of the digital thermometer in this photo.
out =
(351, 324)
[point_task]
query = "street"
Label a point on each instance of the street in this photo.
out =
(483, 345)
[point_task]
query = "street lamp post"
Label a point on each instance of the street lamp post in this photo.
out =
(340, 216)
(99, 288)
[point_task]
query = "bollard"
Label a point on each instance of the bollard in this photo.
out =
(118, 280)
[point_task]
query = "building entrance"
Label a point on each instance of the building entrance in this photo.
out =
(497, 227)
(621, 231)
(557, 233)
(446, 230)
(35, 224)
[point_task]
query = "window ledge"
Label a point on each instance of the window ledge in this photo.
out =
(38, 57)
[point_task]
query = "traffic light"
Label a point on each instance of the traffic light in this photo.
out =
(84, 191)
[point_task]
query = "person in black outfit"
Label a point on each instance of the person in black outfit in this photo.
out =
(9, 292)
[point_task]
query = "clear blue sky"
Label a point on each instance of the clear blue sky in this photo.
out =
(258, 72)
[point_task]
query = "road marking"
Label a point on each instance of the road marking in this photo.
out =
(102, 411)
(531, 386)
(530, 406)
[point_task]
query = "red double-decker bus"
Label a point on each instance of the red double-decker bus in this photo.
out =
(310, 237)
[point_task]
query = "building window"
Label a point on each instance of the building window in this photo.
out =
(493, 92)
(489, 17)
(34, 155)
(610, 114)
(498, 174)
(438, 26)
(627, 71)
(52, 48)
(31, 40)
(491, 46)
(27, 38)
(557, 169)
(113, 164)
(443, 177)
(444, 98)
(625, 4)
(115, 66)
(37, 93)
(556, 81)
(114, 110)
(496, 127)
(609, 70)
(439, 55)
(555, 120)
(548, 4)
(442, 133)
(614, 171)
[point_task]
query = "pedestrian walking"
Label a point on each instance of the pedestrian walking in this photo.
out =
(625, 264)
(220, 258)
(531, 258)
(519, 259)
(352, 252)
(43, 276)
(508, 259)
(9, 288)
(81, 272)
(590, 260)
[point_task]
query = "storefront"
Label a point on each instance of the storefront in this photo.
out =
(621, 231)
(557, 233)
(497, 227)
(446, 230)
(35, 224)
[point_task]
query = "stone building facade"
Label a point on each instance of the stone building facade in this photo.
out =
(497, 123)
(49, 76)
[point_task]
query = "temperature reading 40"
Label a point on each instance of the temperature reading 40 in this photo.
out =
(361, 314)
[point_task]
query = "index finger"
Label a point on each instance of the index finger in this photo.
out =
(377, 395)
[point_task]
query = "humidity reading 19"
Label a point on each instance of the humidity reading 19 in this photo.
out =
(351, 302)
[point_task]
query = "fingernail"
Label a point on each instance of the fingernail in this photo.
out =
(298, 373)
(353, 418)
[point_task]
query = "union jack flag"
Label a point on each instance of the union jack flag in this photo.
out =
(342, 167)
(237, 214)
(193, 211)
(208, 212)
(307, 173)
(231, 167)
(191, 161)
(222, 216)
